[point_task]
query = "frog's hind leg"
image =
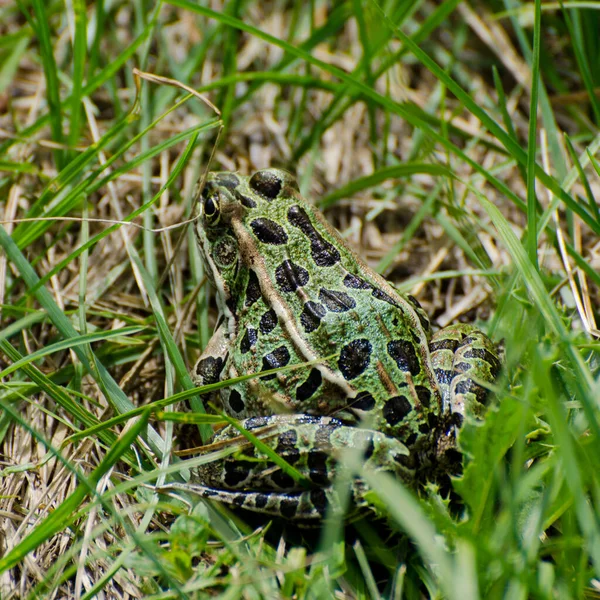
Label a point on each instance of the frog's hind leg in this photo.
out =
(462, 356)
(250, 477)
(307, 506)
(311, 445)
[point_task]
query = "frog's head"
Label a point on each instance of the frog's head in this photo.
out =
(235, 213)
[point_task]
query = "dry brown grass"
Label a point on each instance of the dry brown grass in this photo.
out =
(33, 482)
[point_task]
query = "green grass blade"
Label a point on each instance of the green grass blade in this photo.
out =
(408, 513)
(79, 62)
(51, 73)
(574, 26)
(508, 123)
(70, 343)
(381, 175)
(13, 167)
(584, 180)
(11, 63)
(553, 133)
(532, 203)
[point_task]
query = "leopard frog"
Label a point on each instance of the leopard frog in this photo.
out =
(290, 291)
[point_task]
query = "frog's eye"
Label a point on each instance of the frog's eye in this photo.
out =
(211, 208)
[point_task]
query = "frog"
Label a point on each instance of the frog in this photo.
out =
(350, 363)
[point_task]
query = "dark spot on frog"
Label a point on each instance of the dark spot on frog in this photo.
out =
(354, 358)
(403, 352)
(225, 251)
(288, 507)
(266, 184)
(274, 360)
(231, 305)
(356, 283)
(282, 480)
(286, 440)
(235, 473)
(424, 395)
(248, 340)
(396, 409)
(457, 419)
(289, 454)
(318, 499)
(363, 401)
(239, 500)
(235, 401)
(305, 390)
(245, 200)
(381, 295)
(228, 180)
(252, 289)
(255, 422)
(323, 253)
(411, 440)
(470, 387)
(336, 301)
(260, 500)
(461, 367)
(311, 315)
(443, 376)
(290, 276)
(269, 232)
(317, 465)
(485, 355)
(413, 301)
(423, 318)
(268, 322)
(209, 369)
(370, 449)
(302, 419)
(404, 460)
(444, 344)
(433, 420)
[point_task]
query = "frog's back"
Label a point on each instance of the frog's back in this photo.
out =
(303, 295)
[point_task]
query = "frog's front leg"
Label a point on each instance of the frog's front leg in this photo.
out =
(462, 356)
(249, 479)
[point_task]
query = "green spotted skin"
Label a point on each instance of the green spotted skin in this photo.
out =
(290, 291)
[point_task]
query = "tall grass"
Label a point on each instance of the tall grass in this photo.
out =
(455, 146)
